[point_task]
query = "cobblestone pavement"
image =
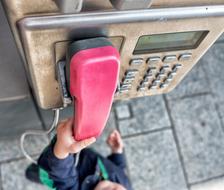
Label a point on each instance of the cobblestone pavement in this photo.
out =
(172, 142)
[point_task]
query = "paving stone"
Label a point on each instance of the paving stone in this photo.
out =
(194, 83)
(153, 162)
(221, 111)
(10, 149)
(101, 145)
(149, 113)
(13, 177)
(17, 116)
(200, 136)
(213, 65)
(122, 111)
(221, 38)
(215, 184)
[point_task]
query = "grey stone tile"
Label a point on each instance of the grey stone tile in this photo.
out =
(10, 149)
(213, 65)
(221, 112)
(153, 162)
(215, 184)
(101, 145)
(200, 136)
(17, 116)
(13, 177)
(194, 83)
(12, 73)
(149, 113)
(122, 111)
(221, 38)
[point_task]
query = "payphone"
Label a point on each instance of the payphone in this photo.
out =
(158, 44)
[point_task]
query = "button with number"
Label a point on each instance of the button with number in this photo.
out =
(141, 88)
(124, 90)
(163, 85)
(126, 86)
(151, 70)
(128, 80)
(153, 60)
(136, 62)
(153, 86)
(144, 83)
(185, 57)
(164, 68)
(131, 72)
(169, 58)
(148, 76)
(170, 77)
(177, 66)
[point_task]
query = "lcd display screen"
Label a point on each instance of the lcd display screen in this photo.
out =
(169, 42)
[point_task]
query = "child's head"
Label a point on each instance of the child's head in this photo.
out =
(108, 185)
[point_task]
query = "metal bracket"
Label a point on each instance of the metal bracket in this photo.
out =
(131, 4)
(66, 98)
(69, 6)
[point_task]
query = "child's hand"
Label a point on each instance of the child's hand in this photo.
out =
(115, 142)
(66, 143)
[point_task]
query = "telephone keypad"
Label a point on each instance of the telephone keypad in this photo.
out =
(156, 76)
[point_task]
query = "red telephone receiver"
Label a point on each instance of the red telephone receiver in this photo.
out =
(92, 73)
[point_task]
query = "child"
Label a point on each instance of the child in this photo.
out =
(62, 167)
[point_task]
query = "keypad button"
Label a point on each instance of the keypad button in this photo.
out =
(144, 83)
(125, 86)
(128, 80)
(164, 68)
(124, 90)
(136, 62)
(161, 74)
(173, 73)
(170, 77)
(148, 76)
(141, 88)
(155, 82)
(177, 66)
(163, 85)
(185, 57)
(131, 72)
(153, 60)
(151, 70)
(153, 87)
(169, 58)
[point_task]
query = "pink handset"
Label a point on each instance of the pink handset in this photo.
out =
(93, 77)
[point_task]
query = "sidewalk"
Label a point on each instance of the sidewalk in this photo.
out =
(172, 142)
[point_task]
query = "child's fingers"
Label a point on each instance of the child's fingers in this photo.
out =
(78, 146)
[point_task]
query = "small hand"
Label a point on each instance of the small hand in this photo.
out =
(66, 143)
(115, 142)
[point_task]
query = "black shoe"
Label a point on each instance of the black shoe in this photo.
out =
(32, 173)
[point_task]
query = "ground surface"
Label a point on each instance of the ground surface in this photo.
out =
(172, 142)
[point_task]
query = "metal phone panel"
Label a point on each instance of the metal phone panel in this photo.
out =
(18, 9)
(41, 37)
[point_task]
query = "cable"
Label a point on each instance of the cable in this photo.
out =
(38, 132)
